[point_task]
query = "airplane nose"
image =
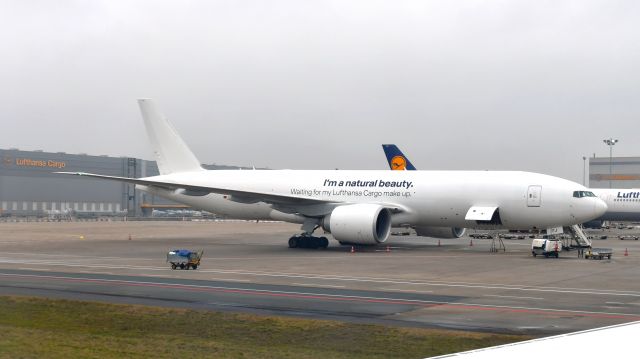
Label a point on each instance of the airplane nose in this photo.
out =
(599, 207)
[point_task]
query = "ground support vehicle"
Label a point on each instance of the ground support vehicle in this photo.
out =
(184, 258)
(546, 247)
(598, 253)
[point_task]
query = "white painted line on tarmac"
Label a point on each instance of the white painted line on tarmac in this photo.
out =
(408, 290)
(74, 256)
(38, 269)
(318, 285)
(223, 279)
(67, 264)
(511, 296)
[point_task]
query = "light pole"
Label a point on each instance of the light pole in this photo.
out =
(610, 142)
(584, 170)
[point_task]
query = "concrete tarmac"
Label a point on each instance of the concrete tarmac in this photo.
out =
(248, 267)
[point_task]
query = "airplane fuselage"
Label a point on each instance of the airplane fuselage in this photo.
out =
(623, 204)
(423, 198)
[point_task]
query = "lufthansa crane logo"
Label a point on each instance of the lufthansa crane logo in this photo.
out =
(398, 163)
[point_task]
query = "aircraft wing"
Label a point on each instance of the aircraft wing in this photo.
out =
(287, 203)
(199, 190)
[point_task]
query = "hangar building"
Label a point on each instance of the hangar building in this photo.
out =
(617, 172)
(28, 186)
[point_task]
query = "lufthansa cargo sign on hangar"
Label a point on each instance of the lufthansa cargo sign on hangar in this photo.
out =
(28, 186)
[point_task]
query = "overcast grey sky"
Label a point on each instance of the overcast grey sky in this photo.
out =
(517, 85)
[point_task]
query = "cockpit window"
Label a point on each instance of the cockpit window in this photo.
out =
(580, 194)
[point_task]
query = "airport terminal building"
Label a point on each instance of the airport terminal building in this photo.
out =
(29, 186)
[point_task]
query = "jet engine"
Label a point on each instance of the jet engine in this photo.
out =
(440, 232)
(359, 223)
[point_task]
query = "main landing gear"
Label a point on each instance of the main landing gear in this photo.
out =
(306, 239)
(308, 242)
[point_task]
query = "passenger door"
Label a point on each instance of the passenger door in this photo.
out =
(534, 196)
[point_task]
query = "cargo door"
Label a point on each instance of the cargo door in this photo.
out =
(534, 196)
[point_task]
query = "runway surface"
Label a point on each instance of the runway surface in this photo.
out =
(248, 268)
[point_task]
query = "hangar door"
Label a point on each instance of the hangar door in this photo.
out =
(534, 196)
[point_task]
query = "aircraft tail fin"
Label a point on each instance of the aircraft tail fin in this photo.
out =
(396, 159)
(171, 153)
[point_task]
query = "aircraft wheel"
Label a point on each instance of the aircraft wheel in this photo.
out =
(181, 265)
(173, 266)
(293, 242)
(324, 242)
(195, 266)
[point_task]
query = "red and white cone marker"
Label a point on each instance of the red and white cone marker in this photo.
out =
(438, 243)
(353, 249)
(388, 248)
(626, 252)
(471, 243)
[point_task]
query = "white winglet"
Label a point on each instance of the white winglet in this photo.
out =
(171, 152)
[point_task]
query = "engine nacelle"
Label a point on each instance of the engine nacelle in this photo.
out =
(440, 232)
(359, 223)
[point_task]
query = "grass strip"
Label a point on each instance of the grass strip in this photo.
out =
(53, 328)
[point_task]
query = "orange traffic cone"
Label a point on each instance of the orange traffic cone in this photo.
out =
(352, 250)
(626, 252)
(388, 248)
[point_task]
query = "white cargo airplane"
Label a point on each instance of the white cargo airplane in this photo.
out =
(361, 206)
(622, 204)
